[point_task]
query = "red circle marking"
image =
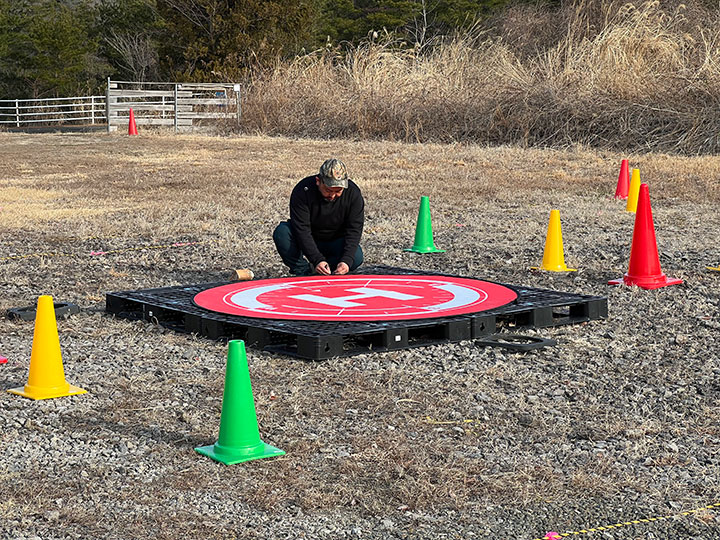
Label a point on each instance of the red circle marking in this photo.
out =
(355, 297)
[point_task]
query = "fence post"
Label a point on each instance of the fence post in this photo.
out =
(17, 113)
(236, 87)
(107, 105)
(175, 121)
(92, 109)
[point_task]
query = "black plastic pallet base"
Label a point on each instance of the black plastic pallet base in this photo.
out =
(317, 340)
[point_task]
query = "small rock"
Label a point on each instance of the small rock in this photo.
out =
(525, 419)
(52, 515)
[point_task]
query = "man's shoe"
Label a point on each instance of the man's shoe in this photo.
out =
(302, 272)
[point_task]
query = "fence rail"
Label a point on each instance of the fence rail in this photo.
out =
(183, 106)
(71, 110)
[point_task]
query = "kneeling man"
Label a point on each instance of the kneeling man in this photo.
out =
(327, 212)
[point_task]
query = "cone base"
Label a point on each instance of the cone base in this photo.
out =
(562, 268)
(430, 249)
(620, 197)
(647, 283)
(241, 456)
(40, 394)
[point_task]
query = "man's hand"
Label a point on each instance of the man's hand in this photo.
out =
(323, 268)
(341, 269)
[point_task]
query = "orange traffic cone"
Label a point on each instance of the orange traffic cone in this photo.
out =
(47, 377)
(623, 183)
(132, 128)
(644, 270)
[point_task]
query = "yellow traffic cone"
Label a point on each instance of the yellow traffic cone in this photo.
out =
(554, 258)
(633, 192)
(47, 377)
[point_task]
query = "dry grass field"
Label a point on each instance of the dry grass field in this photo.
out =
(620, 421)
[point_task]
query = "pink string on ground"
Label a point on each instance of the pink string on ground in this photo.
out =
(552, 535)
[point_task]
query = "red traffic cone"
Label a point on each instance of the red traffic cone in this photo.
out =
(644, 270)
(623, 183)
(132, 128)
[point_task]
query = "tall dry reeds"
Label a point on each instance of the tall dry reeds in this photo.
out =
(639, 76)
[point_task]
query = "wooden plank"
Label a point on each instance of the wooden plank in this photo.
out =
(208, 115)
(149, 107)
(122, 121)
(126, 93)
(206, 86)
(141, 106)
(208, 101)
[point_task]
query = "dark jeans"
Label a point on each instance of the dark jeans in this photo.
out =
(291, 255)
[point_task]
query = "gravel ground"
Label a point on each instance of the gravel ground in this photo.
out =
(618, 422)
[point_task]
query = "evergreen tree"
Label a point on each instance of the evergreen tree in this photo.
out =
(47, 49)
(54, 48)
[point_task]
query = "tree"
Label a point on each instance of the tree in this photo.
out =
(48, 50)
(128, 32)
(219, 39)
(347, 20)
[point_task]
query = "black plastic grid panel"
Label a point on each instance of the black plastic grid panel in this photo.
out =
(173, 307)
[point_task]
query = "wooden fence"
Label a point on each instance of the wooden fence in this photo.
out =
(182, 106)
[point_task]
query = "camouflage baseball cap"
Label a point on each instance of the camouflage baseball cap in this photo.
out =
(333, 173)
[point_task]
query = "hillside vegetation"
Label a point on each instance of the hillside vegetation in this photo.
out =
(636, 77)
(627, 76)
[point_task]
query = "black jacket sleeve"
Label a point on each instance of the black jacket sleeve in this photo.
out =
(300, 223)
(353, 227)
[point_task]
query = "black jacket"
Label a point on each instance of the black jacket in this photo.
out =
(313, 218)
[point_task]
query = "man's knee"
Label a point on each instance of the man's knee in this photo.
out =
(282, 235)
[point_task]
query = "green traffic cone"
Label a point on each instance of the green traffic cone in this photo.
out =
(423, 231)
(239, 438)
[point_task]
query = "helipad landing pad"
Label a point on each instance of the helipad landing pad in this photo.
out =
(356, 298)
(316, 338)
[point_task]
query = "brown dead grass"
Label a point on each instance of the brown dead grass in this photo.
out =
(154, 177)
(633, 76)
